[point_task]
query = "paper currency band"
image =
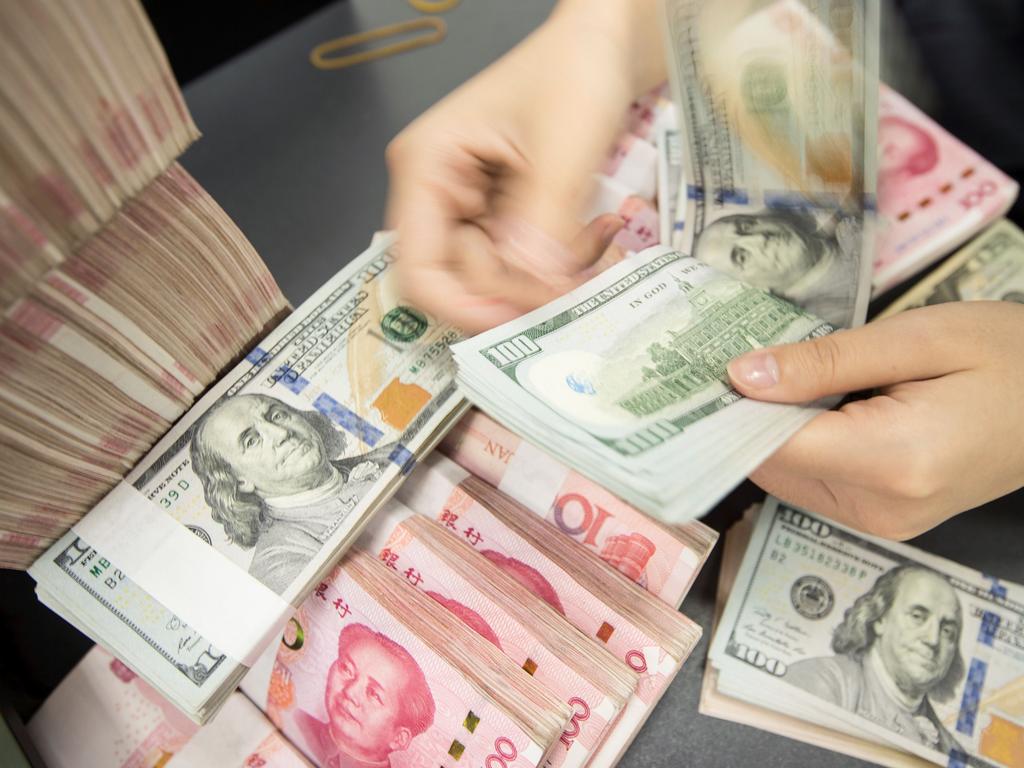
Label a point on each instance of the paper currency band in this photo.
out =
(237, 614)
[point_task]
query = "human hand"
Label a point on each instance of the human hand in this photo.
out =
(943, 433)
(487, 186)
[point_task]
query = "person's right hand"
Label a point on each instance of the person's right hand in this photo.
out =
(488, 185)
(941, 433)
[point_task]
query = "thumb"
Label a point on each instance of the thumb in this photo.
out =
(912, 346)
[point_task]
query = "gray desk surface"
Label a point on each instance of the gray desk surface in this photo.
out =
(295, 156)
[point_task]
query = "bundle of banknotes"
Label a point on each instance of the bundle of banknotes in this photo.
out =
(189, 565)
(933, 192)
(801, 647)
(624, 380)
(989, 268)
(462, 626)
(553, 617)
(125, 289)
(868, 647)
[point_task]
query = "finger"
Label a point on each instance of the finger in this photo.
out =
(613, 255)
(863, 444)
(487, 274)
(439, 293)
(811, 494)
(912, 346)
(427, 215)
(432, 189)
(594, 240)
(554, 189)
(524, 248)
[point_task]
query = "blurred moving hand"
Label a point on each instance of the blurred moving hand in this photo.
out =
(488, 185)
(943, 432)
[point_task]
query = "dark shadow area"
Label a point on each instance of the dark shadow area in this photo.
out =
(200, 35)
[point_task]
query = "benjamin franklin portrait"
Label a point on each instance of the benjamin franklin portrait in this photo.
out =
(897, 650)
(785, 252)
(272, 477)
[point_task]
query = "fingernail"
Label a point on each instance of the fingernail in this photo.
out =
(757, 370)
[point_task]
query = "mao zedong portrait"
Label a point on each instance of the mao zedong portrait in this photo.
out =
(783, 251)
(905, 150)
(377, 701)
(896, 651)
(271, 478)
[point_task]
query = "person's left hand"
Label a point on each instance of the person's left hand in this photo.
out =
(943, 433)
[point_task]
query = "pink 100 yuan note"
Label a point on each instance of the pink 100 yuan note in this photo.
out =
(654, 556)
(353, 685)
(934, 192)
(433, 490)
(106, 712)
(411, 557)
(240, 737)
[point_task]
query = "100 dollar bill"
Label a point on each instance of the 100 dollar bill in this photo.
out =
(876, 639)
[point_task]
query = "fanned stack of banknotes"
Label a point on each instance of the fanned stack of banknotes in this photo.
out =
(516, 605)
(125, 289)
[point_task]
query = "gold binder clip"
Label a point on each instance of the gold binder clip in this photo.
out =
(433, 6)
(320, 56)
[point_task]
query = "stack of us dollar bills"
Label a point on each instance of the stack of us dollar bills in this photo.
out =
(868, 647)
(624, 379)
